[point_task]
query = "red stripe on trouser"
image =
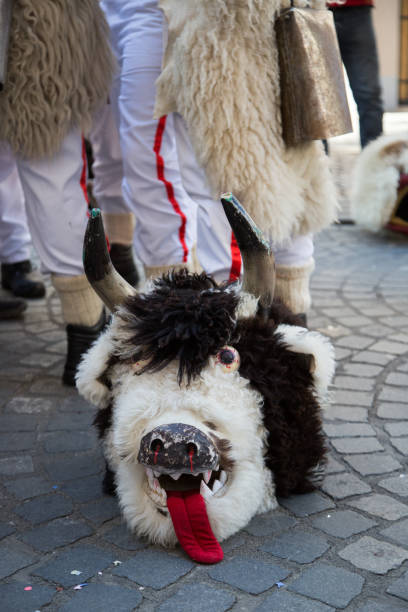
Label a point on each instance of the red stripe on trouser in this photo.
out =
(236, 260)
(169, 187)
(82, 180)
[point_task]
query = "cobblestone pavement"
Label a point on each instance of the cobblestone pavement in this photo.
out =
(344, 547)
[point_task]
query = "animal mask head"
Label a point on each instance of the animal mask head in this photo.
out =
(208, 396)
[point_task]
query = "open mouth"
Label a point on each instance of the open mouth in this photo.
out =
(184, 495)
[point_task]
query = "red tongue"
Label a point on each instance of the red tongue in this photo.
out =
(189, 515)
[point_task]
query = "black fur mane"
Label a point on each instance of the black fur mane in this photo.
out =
(186, 317)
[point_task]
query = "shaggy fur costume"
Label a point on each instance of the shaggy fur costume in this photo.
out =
(376, 181)
(59, 71)
(221, 74)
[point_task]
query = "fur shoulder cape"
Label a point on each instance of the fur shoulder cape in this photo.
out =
(59, 71)
(220, 72)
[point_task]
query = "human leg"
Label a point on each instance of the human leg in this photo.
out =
(217, 250)
(355, 32)
(294, 266)
(14, 235)
(57, 220)
(107, 169)
(152, 188)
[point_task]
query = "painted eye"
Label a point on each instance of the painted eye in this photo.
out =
(228, 359)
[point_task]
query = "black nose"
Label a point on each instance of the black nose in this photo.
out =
(177, 447)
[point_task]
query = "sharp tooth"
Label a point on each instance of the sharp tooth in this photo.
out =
(156, 473)
(216, 486)
(207, 476)
(149, 474)
(223, 477)
(156, 484)
(205, 491)
(175, 475)
(196, 473)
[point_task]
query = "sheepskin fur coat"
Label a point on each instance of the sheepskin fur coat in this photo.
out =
(220, 72)
(59, 71)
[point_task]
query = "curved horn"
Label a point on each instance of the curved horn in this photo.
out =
(259, 262)
(108, 284)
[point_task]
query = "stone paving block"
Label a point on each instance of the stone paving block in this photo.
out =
(29, 405)
(44, 508)
(29, 487)
(52, 535)
(374, 555)
(356, 445)
(343, 523)
(376, 330)
(353, 398)
(342, 353)
(401, 444)
(355, 342)
(11, 466)
(13, 558)
(332, 585)
(370, 357)
(343, 485)
(6, 529)
(76, 403)
(87, 559)
(74, 466)
(84, 489)
(43, 360)
(348, 430)
(397, 429)
(403, 367)
(283, 601)
(381, 505)
(269, 524)
(345, 413)
(334, 466)
(374, 605)
(297, 545)
(122, 537)
(303, 505)
(356, 384)
(360, 369)
(200, 598)
(19, 441)
(64, 422)
(378, 463)
(18, 422)
(103, 598)
(385, 346)
(399, 588)
(393, 394)
(397, 532)
(397, 484)
(395, 321)
(101, 510)
(398, 379)
(58, 442)
(249, 575)
(14, 598)
(153, 568)
(355, 321)
(392, 411)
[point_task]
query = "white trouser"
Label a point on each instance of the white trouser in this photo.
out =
(14, 235)
(163, 184)
(56, 205)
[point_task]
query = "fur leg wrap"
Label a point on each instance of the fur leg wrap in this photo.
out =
(80, 304)
(119, 227)
(292, 286)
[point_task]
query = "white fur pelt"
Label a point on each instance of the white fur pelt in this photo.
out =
(221, 74)
(376, 180)
(59, 71)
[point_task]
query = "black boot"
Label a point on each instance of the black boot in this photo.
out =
(122, 259)
(11, 309)
(80, 338)
(14, 278)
